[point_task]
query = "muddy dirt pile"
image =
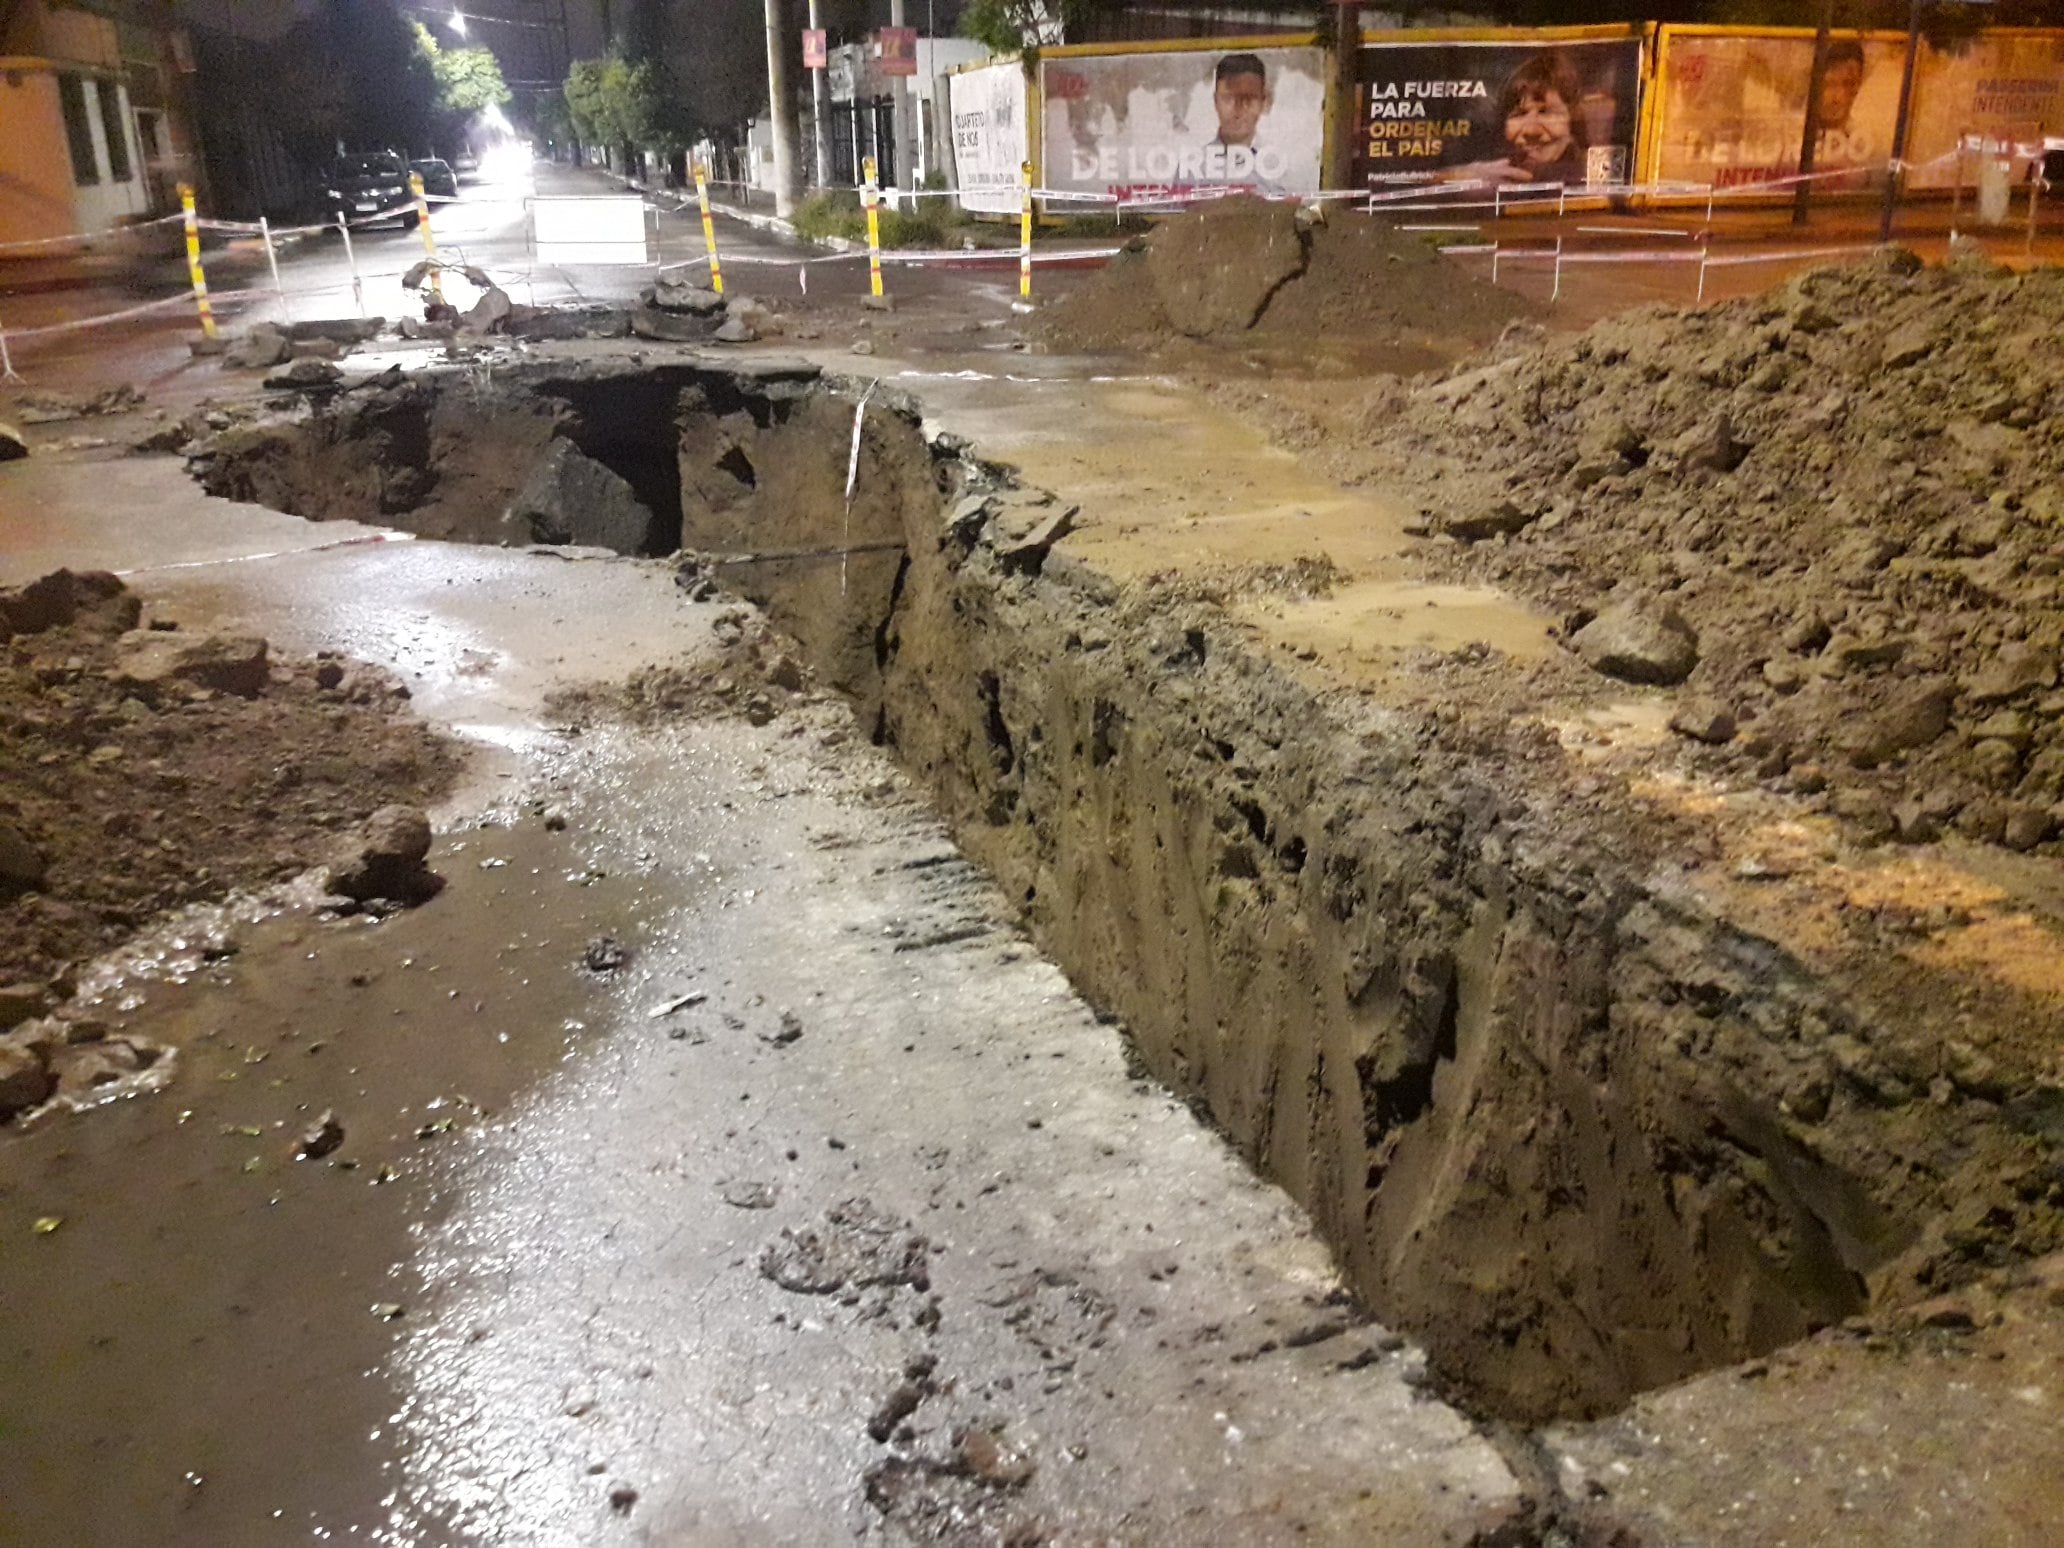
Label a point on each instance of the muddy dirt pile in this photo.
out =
(1251, 274)
(146, 767)
(1831, 518)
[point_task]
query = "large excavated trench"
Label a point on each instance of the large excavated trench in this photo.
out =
(1557, 1120)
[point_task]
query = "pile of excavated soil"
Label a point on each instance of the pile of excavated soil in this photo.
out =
(1246, 273)
(142, 769)
(1850, 492)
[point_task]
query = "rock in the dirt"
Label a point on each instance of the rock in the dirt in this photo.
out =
(338, 330)
(305, 376)
(1908, 345)
(2026, 826)
(1914, 718)
(489, 313)
(23, 1002)
(1022, 534)
(1500, 520)
(681, 290)
(321, 1139)
(65, 596)
(23, 864)
(386, 859)
(605, 954)
(25, 1080)
(1639, 643)
(571, 498)
(1711, 445)
(227, 663)
(2019, 668)
(259, 350)
(12, 446)
(874, 303)
(736, 330)
(649, 322)
(1704, 720)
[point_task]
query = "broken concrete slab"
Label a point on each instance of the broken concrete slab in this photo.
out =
(260, 349)
(670, 327)
(571, 498)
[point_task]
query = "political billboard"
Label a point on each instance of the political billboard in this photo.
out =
(1732, 107)
(1155, 124)
(1507, 111)
(989, 142)
(2003, 87)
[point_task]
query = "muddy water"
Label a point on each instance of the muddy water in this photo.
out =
(195, 1350)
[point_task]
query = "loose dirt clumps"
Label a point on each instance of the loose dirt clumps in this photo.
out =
(144, 768)
(1848, 494)
(1331, 287)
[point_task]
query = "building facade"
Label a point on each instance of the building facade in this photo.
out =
(94, 132)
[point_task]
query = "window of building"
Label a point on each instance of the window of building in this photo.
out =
(111, 121)
(71, 96)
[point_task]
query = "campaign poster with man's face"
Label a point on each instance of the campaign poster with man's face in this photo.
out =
(1146, 125)
(1734, 108)
(1499, 112)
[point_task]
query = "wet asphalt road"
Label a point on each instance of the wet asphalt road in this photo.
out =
(643, 1277)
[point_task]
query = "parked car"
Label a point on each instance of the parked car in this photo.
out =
(439, 180)
(466, 164)
(363, 187)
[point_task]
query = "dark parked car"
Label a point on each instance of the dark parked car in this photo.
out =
(374, 186)
(439, 181)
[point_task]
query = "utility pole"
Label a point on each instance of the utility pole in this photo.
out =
(1347, 127)
(820, 107)
(1809, 147)
(781, 116)
(1895, 173)
(906, 138)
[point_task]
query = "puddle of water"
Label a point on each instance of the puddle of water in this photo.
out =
(196, 1348)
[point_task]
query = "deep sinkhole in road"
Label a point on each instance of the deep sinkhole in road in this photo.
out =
(1476, 1078)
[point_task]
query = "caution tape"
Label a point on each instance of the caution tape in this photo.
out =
(15, 335)
(85, 237)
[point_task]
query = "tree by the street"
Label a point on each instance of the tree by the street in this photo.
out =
(469, 80)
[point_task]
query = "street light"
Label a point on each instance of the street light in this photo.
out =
(458, 24)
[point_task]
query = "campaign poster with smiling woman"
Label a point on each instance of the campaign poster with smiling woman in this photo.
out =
(1506, 112)
(1152, 124)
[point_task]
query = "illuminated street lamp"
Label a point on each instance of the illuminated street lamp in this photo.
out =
(458, 24)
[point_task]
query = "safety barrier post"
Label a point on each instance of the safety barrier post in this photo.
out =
(1497, 201)
(709, 228)
(7, 372)
(1712, 191)
(1025, 239)
(1494, 262)
(193, 261)
(1555, 295)
(415, 183)
(272, 260)
(1705, 253)
(351, 262)
(1956, 194)
(871, 193)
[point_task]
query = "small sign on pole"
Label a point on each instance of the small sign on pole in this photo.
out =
(896, 50)
(816, 49)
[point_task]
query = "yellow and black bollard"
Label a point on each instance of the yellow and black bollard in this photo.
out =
(193, 261)
(1025, 239)
(415, 183)
(709, 229)
(871, 194)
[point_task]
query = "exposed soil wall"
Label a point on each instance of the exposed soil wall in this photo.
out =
(1574, 1131)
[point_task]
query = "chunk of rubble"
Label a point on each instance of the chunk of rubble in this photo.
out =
(150, 661)
(1639, 642)
(571, 498)
(385, 860)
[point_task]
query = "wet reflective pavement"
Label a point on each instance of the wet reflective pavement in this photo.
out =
(831, 1212)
